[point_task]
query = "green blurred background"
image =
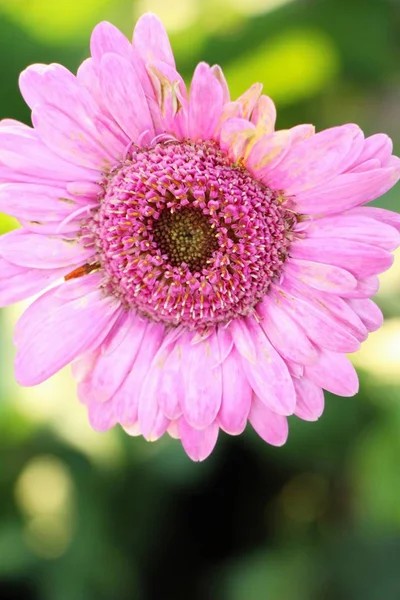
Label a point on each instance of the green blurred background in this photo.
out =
(85, 516)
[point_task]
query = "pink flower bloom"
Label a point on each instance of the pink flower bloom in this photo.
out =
(201, 269)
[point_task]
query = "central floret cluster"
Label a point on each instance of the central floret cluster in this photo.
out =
(186, 237)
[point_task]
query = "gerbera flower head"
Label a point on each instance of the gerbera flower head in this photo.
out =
(198, 268)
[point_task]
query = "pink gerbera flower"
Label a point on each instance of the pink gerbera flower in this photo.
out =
(202, 270)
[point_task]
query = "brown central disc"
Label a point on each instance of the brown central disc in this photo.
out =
(185, 236)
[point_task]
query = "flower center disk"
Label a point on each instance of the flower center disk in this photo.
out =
(186, 237)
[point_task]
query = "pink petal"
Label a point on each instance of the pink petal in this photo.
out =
(347, 191)
(295, 369)
(82, 366)
(368, 165)
(88, 76)
(266, 153)
(248, 101)
(359, 228)
(113, 362)
(369, 313)
(22, 151)
(68, 139)
(155, 427)
(236, 396)
(101, 415)
(28, 83)
(198, 444)
(269, 376)
(338, 308)
(335, 373)
(202, 381)
(299, 133)
(365, 288)
(393, 161)
(36, 202)
(315, 160)
(310, 400)
(84, 188)
(173, 430)
(243, 340)
(284, 333)
(18, 283)
(171, 98)
(323, 277)
(170, 388)
(270, 426)
(28, 249)
(151, 41)
(70, 290)
(142, 73)
(124, 96)
(205, 105)
(107, 38)
(53, 331)
(9, 175)
(102, 124)
(359, 258)
(264, 114)
(379, 214)
(377, 146)
(55, 86)
(133, 429)
(236, 135)
(146, 341)
(14, 123)
(231, 110)
(225, 343)
(220, 77)
(329, 305)
(321, 326)
(152, 421)
(67, 228)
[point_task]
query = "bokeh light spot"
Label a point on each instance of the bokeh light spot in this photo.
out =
(44, 494)
(175, 14)
(44, 487)
(379, 355)
(305, 497)
(293, 66)
(258, 6)
(48, 536)
(55, 20)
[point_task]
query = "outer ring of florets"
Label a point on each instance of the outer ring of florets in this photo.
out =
(240, 242)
